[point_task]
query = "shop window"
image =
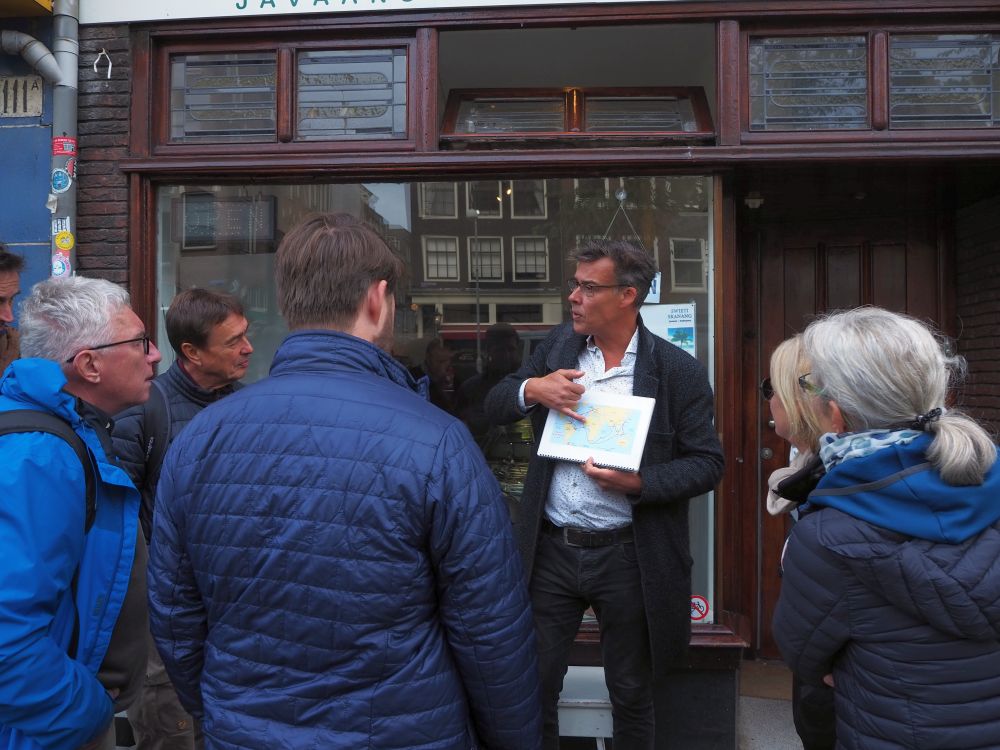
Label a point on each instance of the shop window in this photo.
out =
(223, 98)
(944, 81)
(527, 199)
(222, 236)
(440, 258)
(486, 258)
(438, 200)
(808, 83)
(531, 259)
(525, 117)
(351, 94)
(591, 191)
(485, 196)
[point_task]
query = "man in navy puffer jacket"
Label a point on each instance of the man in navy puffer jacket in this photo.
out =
(332, 563)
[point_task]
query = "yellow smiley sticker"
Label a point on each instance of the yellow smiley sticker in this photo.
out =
(65, 241)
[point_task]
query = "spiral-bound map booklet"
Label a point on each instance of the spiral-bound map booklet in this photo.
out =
(613, 435)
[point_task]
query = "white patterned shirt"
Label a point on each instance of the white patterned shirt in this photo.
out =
(574, 498)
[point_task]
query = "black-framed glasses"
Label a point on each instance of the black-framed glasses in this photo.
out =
(144, 339)
(766, 389)
(588, 288)
(808, 387)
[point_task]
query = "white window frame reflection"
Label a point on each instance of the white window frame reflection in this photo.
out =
(427, 252)
(675, 262)
(533, 252)
(426, 210)
(494, 251)
(544, 202)
(496, 206)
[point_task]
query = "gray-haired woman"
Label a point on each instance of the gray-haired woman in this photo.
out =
(892, 584)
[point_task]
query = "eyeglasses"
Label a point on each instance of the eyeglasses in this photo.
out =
(144, 339)
(766, 389)
(808, 387)
(589, 289)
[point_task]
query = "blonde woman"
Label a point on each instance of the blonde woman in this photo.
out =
(812, 704)
(793, 420)
(891, 582)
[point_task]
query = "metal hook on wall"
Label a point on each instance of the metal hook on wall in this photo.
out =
(103, 53)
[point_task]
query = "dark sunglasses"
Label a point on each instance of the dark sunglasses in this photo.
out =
(766, 389)
(144, 339)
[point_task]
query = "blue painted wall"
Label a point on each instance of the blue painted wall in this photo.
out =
(25, 162)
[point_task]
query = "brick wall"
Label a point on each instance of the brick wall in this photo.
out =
(977, 294)
(102, 210)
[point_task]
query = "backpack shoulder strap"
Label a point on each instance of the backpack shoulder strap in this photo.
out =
(30, 420)
(158, 429)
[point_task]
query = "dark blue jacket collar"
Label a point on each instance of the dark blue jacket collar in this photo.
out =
(320, 351)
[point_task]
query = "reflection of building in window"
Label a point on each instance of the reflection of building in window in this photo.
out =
(441, 258)
(591, 191)
(531, 259)
(527, 199)
(438, 200)
(519, 313)
(464, 313)
(485, 197)
(486, 258)
(687, 264)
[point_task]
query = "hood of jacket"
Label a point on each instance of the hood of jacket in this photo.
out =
(320, 351)
(896, 488)
(38, 384)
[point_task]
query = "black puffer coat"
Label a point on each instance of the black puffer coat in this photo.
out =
(909, 628)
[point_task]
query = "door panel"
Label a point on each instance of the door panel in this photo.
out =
(807, 268)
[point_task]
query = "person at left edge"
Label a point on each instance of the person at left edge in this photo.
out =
(85, 355)
(10, 286)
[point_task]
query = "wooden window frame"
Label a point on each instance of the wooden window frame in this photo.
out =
(421, 203)
(574, 118)
(878, 87)
(458, 259)
(286, 95)
(469, 207)
(513, 258)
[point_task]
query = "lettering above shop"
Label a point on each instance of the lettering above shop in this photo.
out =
(115, 11)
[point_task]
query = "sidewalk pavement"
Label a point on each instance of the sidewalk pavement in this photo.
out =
(765, 719)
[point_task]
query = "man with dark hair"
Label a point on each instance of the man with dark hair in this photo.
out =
(503, 356)
(439, 370)
(72, 589)
(11, 266)
(613, 540)
(208, 333)
(332, 564)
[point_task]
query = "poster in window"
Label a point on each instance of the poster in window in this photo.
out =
(198, 221)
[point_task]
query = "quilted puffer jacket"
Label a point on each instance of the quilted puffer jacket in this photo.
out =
(908, 625)
(332, 567)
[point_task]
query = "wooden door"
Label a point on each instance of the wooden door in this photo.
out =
(806, 268)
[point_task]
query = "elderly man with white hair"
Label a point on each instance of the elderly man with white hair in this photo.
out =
(72, 595)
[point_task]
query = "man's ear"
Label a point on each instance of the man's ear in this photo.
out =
(376, 301)
(191, 353)
(85, 366)
(628, 296)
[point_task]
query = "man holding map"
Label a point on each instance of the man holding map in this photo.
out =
(607, 538)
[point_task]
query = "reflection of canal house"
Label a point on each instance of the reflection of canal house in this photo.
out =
(779, 159)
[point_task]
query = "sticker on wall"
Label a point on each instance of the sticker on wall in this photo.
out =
(65, 241)
(63, 146)
(699, 608)
(60, 265)
(61, 181)
(61, 225)
(71, 167)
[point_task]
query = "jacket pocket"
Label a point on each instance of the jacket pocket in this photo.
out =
(659, 447)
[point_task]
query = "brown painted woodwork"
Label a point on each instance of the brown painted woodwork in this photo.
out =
(729, 92)
(424, 70)
(878, 78)
(856, 237)
(285, 110)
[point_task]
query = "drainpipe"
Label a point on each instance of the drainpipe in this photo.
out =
(62, 199)
(35, 53)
